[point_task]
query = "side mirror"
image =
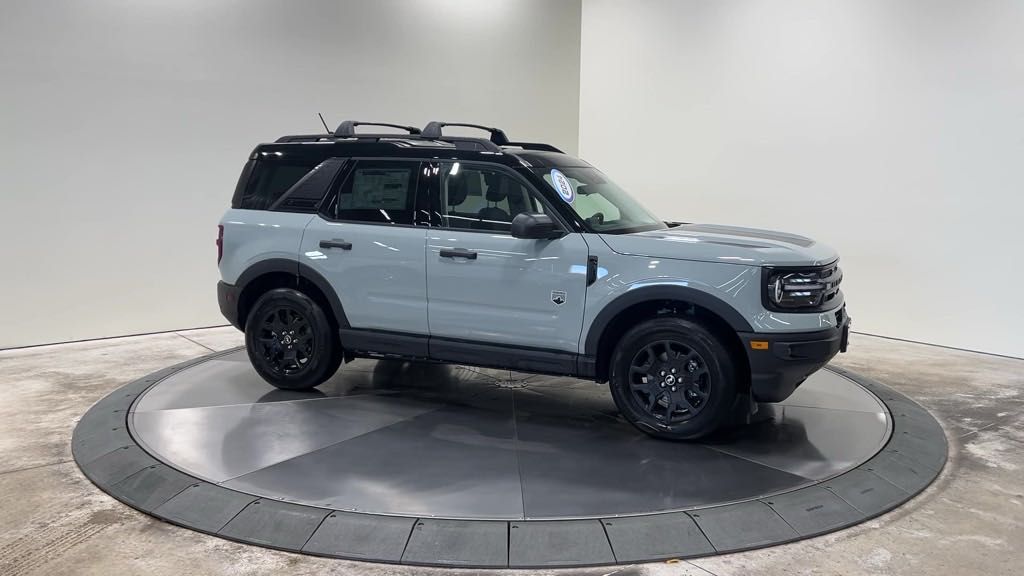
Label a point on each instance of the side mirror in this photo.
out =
(535, 226)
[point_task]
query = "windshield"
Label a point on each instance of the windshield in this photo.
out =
(605, 207)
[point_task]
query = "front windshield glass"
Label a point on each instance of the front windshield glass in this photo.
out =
(605, 207)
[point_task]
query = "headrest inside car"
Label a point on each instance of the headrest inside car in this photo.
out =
(457, 190)
(496, 187)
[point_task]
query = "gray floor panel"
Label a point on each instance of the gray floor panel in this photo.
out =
(908, 475)
(236, 440)
(810, 442)
(203, 506)
(631, 475)
(930, 453)
(558, 543)
(117, 465)
(275, 524)
(865, 491)
(813, 510)
(833, 391)
(458, 543)
(742, 526)
(152, 486)
(656, 537)
(442, 463)
(103, 439)
(346, 535)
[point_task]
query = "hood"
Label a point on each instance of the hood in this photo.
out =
(713, 243)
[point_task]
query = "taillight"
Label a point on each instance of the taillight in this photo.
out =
(220, 242)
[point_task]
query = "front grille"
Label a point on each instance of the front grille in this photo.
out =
(831, 277)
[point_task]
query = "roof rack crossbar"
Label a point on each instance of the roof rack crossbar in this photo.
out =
(347, 129)
(433, 131)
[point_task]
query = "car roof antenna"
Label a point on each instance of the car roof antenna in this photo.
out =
(324, 122)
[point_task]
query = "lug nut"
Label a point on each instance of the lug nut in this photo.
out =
(662, 372)
(673, 370)
(662, 384)
(673, 388)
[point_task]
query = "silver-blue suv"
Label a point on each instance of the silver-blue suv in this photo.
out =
(423, 245)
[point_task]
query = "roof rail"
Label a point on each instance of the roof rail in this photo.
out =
(536, 146)
(304, 138)
(347, 129)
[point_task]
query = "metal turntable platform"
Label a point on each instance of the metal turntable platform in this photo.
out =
(446, 465)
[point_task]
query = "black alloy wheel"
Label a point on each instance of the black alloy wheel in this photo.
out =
(670, 381)
(286, 340)
(290, 340)
(673, 378)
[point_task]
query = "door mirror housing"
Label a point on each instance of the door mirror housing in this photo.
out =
(536, 227)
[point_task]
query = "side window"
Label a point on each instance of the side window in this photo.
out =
(378, 191)
(479, 198)
(271, 177)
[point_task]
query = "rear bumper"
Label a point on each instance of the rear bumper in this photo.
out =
(781, 362)
(227, 298)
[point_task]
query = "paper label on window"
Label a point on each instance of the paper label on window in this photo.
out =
(563, 186)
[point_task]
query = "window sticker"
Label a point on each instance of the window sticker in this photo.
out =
(563, 186)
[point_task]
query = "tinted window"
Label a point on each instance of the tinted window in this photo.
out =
(306, 194)
(271, 176)
(378, 191)
(479, 198)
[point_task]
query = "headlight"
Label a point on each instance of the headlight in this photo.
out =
(791, 289)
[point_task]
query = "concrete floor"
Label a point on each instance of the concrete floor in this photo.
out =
(53, 521)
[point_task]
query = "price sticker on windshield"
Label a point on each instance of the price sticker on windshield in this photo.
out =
(563, 186)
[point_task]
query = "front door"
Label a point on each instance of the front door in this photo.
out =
(483, 285)
(366, 244)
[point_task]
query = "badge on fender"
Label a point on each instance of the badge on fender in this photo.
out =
(558, 297)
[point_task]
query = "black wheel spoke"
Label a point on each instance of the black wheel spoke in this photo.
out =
(669, 380)
(287, 340)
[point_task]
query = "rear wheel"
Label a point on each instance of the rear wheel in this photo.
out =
(672, 378)
(290, 341)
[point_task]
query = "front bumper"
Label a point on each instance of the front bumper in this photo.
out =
(227, 297)
(781, 362)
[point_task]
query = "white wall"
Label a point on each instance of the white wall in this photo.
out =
(890, 129)
(123, 126)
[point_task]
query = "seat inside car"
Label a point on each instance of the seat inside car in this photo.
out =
(491, 216)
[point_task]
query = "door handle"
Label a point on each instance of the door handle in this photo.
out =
(458, 253)
(336, 243)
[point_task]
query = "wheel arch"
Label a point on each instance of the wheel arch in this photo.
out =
(283, 273)
(642, 304)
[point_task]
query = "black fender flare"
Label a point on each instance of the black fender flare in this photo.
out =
(300, 271)
(663, 292)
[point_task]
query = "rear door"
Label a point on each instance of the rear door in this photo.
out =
(484, 285)
(366, 242)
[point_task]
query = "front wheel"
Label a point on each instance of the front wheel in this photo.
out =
(672, 378)
(290, 341)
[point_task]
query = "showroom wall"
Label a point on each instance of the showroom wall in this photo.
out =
(125, 125)
(892, 130)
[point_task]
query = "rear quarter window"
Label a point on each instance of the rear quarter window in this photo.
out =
(269, 178)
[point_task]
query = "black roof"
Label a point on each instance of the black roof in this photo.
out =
(428, 143)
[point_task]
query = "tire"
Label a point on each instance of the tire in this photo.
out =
(702, 399)
(290, 341)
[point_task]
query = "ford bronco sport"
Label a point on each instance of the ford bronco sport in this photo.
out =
(423, 245)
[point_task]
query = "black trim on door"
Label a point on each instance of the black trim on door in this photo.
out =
(412, 346)
(502, 356)
(422, 347)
